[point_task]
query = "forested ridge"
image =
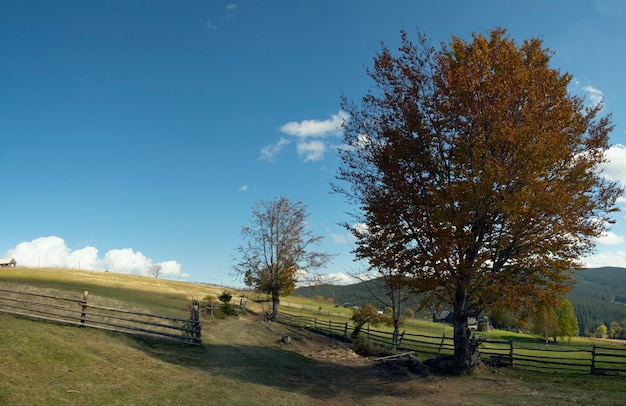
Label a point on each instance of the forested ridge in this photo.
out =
(598, 297)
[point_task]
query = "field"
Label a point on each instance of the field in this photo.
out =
(242, 362)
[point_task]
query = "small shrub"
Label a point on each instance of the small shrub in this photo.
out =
(361, 316)
(225, 310)
(225, 297)
(362, 346)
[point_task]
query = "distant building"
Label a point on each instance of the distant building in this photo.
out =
(7, 263)
(443, 317)
(480, 322)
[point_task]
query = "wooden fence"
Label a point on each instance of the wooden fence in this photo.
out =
(608, 360)
(81, 313)
(524, 355)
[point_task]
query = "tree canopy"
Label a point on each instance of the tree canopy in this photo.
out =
(278, 248)
(475, 172)
(555, 321)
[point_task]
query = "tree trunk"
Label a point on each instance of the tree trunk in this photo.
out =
(465, 352)
(356, 331)
(396, 330)
(275, 302)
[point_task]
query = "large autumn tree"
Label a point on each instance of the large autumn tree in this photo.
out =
(475, 172)
(278, 249)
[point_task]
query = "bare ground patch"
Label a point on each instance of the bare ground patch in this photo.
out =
(329, 372)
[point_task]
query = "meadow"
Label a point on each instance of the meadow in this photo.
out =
(242, 360)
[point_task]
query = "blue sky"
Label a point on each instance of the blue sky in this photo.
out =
(142, 132)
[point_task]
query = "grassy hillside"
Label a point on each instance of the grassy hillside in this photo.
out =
(159, 296)
(599, 296)
(242, 361)
(360, 294)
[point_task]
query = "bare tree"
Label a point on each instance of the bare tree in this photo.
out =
(390, 288)
(155, 270)
(277, 253)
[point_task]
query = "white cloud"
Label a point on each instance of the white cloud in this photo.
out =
(316, 128)
(342, 278)
(595, 95)
(615, 258)
(171, 268)
(210, 25)
(126, 260)
(312, 150)
(339, 279)
(610, 238)
(270, 151)
(343, 239)
(360, 228)
(53, 252)
(230, 10)
(243, 188)
(615, 168)
(339, 238)
(310, 137)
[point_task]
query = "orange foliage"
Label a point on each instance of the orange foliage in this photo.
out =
(477, 174)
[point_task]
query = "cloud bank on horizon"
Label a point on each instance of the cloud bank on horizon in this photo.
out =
(52, 252)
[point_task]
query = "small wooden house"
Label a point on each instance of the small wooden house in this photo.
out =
(7, 263)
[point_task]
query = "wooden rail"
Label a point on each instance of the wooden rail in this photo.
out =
(560, 359)
(607, 360)
(80, 312)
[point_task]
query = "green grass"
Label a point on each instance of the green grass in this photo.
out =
(45, 363)
(310, 308)
(48, 364)
(240, 363)
(524, 344)
(160, 296)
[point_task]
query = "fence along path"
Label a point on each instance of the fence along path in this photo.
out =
(81, 313)
(557, 358)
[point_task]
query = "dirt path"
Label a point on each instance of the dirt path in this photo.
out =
(337, 375)
(325, 371)
(395, 381)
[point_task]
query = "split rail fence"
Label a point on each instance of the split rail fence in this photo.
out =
(524, 355)
(80, 312)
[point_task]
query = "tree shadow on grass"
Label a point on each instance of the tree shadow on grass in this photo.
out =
(283, 369)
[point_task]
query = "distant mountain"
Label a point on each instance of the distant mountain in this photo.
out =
(359, 294)
(599, 296)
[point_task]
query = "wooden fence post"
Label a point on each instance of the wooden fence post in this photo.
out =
(83, 313)
(593, 360)
(511, 351)
(330, 329)
(443, 337)
(345, 330)
(194, 318)
(401, 338)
